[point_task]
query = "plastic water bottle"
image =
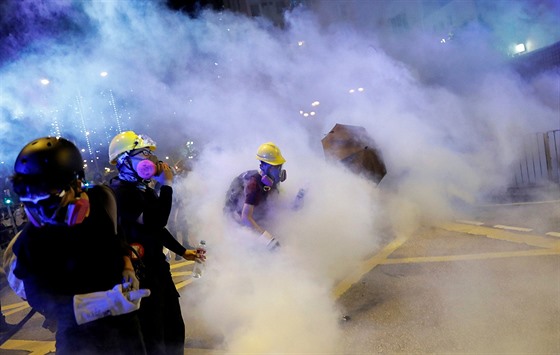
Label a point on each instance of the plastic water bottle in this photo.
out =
(298, 202)
(199, 265)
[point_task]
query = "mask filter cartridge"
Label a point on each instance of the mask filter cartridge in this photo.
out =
(267, 181)
(146, 169)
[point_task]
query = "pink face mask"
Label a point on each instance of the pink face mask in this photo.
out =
(146, 169)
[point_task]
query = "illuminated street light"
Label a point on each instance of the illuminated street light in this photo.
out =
(45, 81)
(103, 74)
(351, 91)
(520, 48)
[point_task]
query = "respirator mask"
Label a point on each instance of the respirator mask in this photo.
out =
(61, 208)
(148, 167)
(272, 174)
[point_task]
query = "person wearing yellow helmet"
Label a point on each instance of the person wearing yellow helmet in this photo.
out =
(247, 197)
(143, 214)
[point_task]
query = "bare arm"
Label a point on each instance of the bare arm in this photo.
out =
(248, 220)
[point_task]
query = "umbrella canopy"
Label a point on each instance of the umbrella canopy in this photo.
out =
(352, 146)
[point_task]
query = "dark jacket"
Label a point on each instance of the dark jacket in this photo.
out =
(148, 238)
(57, 262)
(160, 314)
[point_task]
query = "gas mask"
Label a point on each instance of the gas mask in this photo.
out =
(272, 174)
(61, 208)
(149, 167)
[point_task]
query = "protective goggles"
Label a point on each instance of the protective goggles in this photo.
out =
(43, 208)
(143, 153)
(144, 141)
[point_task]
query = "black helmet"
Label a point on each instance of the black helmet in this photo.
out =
(47, 163)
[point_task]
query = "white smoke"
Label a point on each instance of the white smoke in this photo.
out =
(446, 119)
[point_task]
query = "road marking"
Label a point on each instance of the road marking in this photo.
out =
(35, 347)
(367, 266)
(482, 256)
(182, 284)
(181, 264)
(15, 310)
(553, 234)
(532, 240)
(181, 273)
(511, 228)
(14, 305)
(179, 285)
(475, 223)
(520, 203)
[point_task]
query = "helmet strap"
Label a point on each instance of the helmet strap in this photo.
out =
(33, 216)
(283, 175)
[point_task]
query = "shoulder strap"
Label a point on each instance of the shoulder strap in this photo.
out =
(108, 200)
(249, 174)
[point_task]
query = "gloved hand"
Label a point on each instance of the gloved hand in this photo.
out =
(268, 240)
(129, 275)
(91, 306)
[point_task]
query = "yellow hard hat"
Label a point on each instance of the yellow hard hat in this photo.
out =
(127, 141)
(270, 153)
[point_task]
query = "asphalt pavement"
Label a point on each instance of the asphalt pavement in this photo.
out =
(485, 282)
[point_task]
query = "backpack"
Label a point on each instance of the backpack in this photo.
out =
(235, 195)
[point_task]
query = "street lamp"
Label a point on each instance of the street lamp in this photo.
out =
(519, 48)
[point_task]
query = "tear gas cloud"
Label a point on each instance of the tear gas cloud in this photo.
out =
(447, 120)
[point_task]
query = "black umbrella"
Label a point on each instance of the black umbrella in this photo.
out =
(352, 146)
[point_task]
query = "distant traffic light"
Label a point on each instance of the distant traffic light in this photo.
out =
(7, 197)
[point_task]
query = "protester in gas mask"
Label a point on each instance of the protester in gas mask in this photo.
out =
(247, 197)
(74, 266)
(143, 214)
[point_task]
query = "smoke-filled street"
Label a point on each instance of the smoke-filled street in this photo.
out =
(462, 286)
(418, 207)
